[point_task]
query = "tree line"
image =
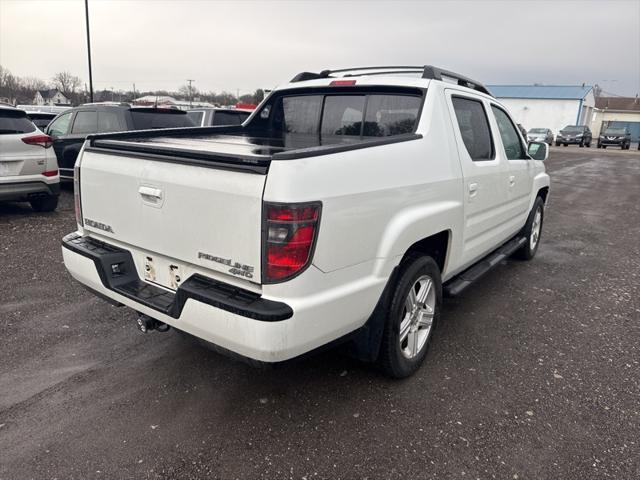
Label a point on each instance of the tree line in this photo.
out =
(22, 90)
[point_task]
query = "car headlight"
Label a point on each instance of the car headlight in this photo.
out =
(578, 135)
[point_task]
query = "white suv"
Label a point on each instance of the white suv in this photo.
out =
(28, 166)
(342, 209)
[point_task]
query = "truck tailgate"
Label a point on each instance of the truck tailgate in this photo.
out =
(190, 214)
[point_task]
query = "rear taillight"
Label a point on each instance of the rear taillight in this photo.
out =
(76, 191)
(290, 234)
(41, 140)
(50, 173)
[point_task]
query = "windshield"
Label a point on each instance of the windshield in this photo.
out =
(571, 129)
(538, 130)
(615, 131)
(145, 119)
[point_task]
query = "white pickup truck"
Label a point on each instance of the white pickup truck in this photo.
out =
(342, 209)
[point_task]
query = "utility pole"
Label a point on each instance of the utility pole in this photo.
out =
(86, 13)
(190, 93)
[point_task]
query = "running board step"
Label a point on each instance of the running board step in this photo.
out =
(456, 285)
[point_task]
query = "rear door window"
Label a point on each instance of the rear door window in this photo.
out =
(110, 122)
(145, 120)
(15, 122)
(196, 117)
(85, 122)
(474, 128)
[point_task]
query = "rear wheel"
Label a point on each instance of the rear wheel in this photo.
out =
(566, 144)
(557, 144)
(411, 313)
(44, 204)
(532, 231)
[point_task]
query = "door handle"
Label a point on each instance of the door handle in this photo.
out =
(150, 193)
(512, 180)
(473, 189)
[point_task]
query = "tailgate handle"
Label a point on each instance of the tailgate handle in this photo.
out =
(150, 193)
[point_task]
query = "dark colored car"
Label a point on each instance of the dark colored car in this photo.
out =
(41, 119)
(574, 135)
(618, 137)
(207, 117)
(540, 135)
(69, 129)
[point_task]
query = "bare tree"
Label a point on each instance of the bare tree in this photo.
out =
(67, 83)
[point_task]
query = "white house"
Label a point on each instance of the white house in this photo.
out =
(548, 106)
(50, 97)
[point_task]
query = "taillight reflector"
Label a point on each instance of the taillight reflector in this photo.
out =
(290, 235)
(50, 173)
(41, 140)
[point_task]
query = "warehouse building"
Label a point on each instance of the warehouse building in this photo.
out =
(548, 106)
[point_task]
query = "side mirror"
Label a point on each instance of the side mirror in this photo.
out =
(538, 151)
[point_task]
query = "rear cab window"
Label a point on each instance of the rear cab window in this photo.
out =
(337, 116)
(14, 122)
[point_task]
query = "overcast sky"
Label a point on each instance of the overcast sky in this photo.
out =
(246, 45)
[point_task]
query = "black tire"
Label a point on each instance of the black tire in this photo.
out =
(581, 144)
(604, 146)
(589, 145)
(566, 144)
(390, 358)
(557, 144)
(599, 146)
(44, 204)
(527, 252)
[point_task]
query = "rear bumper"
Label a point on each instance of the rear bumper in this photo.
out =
(25, 190)
(242, 322)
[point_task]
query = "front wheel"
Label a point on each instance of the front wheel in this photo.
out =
(411, 313)
(532, 231)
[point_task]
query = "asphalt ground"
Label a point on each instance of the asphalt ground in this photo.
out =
(533, 373)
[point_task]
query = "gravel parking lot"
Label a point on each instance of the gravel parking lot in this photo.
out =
(533, 373)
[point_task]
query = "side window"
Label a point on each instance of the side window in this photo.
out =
(109, 122)
(61, 125)
(510, 138)
(85, 122)
(474, 128)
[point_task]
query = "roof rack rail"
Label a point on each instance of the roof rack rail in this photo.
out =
(428, 71)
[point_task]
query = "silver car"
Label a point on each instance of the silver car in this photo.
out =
(540, 135)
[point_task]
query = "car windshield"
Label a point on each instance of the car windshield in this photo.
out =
(572, 129)
(538, 130)
(615, 131)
